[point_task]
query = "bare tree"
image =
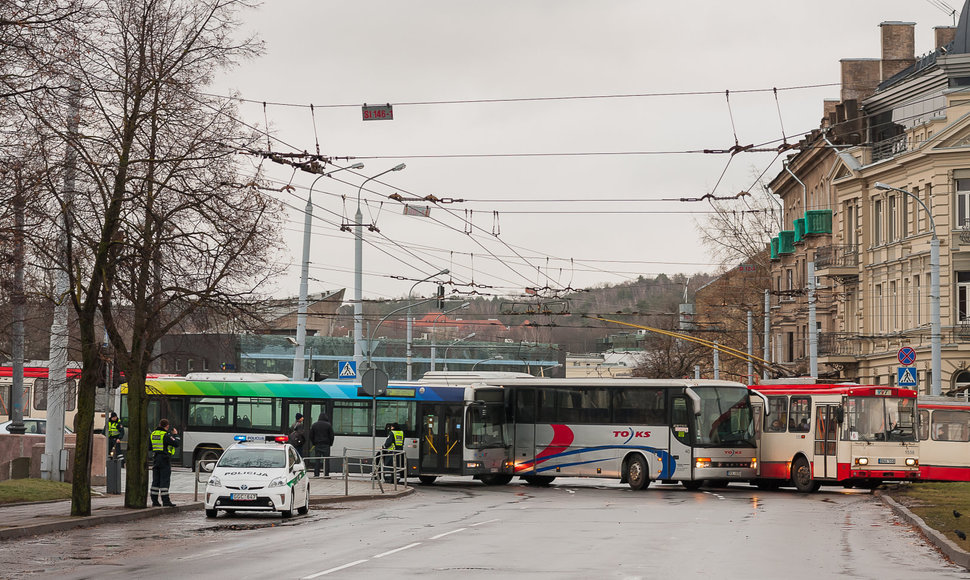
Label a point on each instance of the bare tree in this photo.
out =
(162, 224)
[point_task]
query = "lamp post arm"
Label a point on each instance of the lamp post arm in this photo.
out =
(370, 338)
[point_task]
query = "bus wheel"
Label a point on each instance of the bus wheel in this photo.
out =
(496, 479)
(427, 479)
(693, 485)
(637, 473)
(801, 476)
(538, 480)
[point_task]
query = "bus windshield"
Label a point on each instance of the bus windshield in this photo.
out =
(485, 421)
(725, 417)
(882, 419)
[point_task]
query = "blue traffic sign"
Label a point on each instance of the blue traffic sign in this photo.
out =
(906, 355)
(347, 369)
(906, 377)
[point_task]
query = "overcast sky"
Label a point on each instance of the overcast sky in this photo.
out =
(558, 192)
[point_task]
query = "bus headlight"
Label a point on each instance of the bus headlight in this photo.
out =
(473, 464)
(911, 462)
(701, 462)
(862, 461)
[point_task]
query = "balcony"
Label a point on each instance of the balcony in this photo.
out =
(888, 148)
(838, 261)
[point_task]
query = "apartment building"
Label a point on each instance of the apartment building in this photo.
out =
(903, 121)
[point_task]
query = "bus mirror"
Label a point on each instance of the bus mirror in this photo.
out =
(839, 414)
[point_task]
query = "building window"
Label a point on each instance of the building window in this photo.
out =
(891, 229)
(893, 307)
(879, 308)
(963, 296)
(850, 231)
(917, 301)
(791, 279)
(963, 202)
(877, 222)
(928, 195)
(904, 217)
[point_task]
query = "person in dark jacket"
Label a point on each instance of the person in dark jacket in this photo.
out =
(321, 436)
(115, 432)
(298, 434)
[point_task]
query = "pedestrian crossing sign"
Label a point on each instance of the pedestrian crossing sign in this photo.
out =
(906, 377)
(347, 369)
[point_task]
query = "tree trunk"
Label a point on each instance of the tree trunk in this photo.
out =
(86, 394)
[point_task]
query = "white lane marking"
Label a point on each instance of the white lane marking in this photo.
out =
(482, 523)
(338, 568)
(398, 550)
(446, 533)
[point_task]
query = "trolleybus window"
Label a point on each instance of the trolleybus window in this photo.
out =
(777, 414)
(950, 425)
(801, 414)
(210, 412)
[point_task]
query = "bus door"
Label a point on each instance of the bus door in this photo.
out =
(440, 445)
(681, 440)
(310, 409)
(826, 446)
(758, 414)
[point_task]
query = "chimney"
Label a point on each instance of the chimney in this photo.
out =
(898, 47)
(860, 77)
(944, 35)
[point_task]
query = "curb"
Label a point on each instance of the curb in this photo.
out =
(128, 514)
(956, 554)
(71, 523)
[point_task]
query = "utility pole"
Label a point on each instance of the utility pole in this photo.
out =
(812, 324)
(767, 344)
(17, 304)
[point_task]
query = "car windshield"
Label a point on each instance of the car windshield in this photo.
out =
(261, 458)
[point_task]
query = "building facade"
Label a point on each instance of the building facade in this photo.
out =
(856, 257)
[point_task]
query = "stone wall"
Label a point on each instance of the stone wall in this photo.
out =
(32, 447)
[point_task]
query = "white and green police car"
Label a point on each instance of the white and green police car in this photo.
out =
(258, 473)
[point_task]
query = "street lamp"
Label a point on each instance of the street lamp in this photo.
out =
(411, 321)
(935, 329)
(493, 357)
(453, 343)
(434, 328)
(358, 269)
(301, 311)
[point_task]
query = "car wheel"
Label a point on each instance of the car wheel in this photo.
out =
(306, 505)
(289, 513)
(539, 480)
(211, 513)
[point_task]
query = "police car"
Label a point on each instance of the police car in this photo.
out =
(258, 473)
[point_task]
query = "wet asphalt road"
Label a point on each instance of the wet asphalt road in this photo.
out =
(577, 528)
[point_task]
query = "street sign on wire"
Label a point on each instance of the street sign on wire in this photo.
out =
(378, 112)
(906, 377)
(906, 355)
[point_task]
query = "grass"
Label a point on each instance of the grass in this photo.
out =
(936, 503)
(25, 490)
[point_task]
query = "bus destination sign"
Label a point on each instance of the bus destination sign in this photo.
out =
(378, 112)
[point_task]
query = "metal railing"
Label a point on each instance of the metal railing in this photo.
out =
(837, 256)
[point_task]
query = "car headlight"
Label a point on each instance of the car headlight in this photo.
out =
(862, 461)
(911, 462)
(277, 482)
(215, 481)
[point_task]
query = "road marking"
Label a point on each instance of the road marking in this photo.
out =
(338, 568)
(482, 523)
(398, 550)
(447, 533)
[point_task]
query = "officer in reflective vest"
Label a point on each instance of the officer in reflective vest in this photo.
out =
(394, 442)
(115, 432)
(164, 443)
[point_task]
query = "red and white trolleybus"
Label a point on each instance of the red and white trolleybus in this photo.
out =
(944, 438)
(835, 434)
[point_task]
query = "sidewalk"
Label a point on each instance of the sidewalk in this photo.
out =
(20, 520)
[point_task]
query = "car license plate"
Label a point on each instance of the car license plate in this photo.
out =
(243, 496)
(734, 474)
(889, 460)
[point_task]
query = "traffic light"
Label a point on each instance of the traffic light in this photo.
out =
(441, 297)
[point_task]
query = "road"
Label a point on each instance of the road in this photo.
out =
(576, 528)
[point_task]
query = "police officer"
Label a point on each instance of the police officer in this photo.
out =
(115, 433)
(394, 442)
(164, 444)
